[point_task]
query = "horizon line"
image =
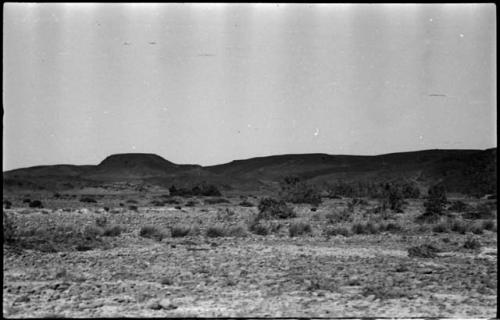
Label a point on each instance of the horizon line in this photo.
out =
(244, 159)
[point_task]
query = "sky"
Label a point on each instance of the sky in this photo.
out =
(212, 83)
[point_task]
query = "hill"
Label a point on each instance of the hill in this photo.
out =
(465, 171)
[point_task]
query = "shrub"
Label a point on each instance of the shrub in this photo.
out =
(472, 243)
(215, 231)
(9, 228)
(27, 200)
(172, 201)
(7, 204)
(237, 231)
(191, 203)
(151, 232)
(477, 228)
(435, 203)
(132, 201)
(299, 229)
(202, 189)
(458, 206)
(246, 203)
(336, 217)
(489, 225)
(482, 211)
(216, 201)
(442, 227)
(133, 208)
(364, 228)
(390, 227)
(459, 226)
(273, 209)
(157, 203)
(88, 200)
(36, 204)
(258, 227)
(179, 231)
(92, 232)
(101, 221)
(294, 191)
(384, 292)
(423, 251)
(113, 231)
(332, 231)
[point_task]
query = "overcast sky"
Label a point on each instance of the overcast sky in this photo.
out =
(207, 84)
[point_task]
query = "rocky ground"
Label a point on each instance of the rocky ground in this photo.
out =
(312, 275)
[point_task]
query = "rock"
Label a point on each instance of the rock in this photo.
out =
(167, 304)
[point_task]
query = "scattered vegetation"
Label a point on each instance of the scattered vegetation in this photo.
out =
(299, 229)
(237, 231)
(434, 206)
(335, 231)
(472, 244)
(179, 231)
(36, 204)
(7, 204)
(365, 228)
(88, 200)
(112, 231)
(215, 231)
(295, 191)
(216, 201)
(274, 209)
(246, 203)
(482, 211)
(202, 189)
(423, 251)
(151, 232)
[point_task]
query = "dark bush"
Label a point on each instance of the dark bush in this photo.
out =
(434, 206)
(27, 200)
(472, 243)
(364, 228)
(9, 228)
(7, 204)
(336, 217)
(179, 231)
(101, 221)
(423, 251)
(482, 211)
(332, 231)
(133, 208)
(191, 203)
(203, 189)
(458, 206)
(151, 232)
(443, 227)
(294, 191)
(258, 227)
(88, 200)
(132, 201)
(489, 225)
(157, 203)
(216, 201)
(215, 231)
(172, 201)
(299, 228)
(273, 209)
(36, 204)
(390, 227)
(113, 231)
(459, 226)
(246, 203)
(237, 231)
